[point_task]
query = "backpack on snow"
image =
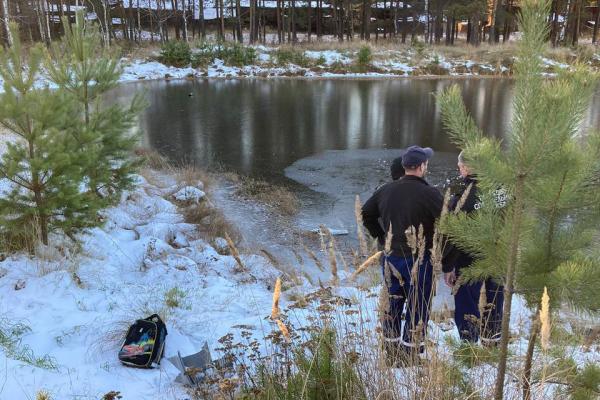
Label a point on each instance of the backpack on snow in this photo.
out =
(144, 343)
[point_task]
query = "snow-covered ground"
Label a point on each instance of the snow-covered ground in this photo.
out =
(126, 268)
(68, 307)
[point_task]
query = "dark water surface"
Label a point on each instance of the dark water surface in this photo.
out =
(259, 127)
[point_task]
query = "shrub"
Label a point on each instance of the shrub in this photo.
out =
(418, 47)
(292, 56)
(365, 56)
(321, 372)
(175, 298)
(238, 55)
(231, 53)
(176, 53)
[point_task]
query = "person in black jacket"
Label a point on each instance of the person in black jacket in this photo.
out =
(471, 325)
(399, 205)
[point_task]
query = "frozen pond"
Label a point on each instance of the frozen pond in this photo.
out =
(334, 137)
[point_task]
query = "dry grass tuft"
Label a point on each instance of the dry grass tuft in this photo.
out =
(153, 159)
(284, 330)
(235, 253)
(374, 259)
(277, 197)
(276, 295)
(315, 259)
(362, 242)
(42, 395)
(545, 320)
(211, 221)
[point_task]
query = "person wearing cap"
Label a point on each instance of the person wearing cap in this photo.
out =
(471, 325)
(396, 169)
(407, 202)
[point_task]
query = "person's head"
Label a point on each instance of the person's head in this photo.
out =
(463, 168)
(396, 169)
(416, 159)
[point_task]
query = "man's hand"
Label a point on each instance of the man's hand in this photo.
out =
(450, 278)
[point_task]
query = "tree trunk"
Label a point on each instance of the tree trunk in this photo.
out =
(319, 19)
(201, 15)
(577, 25)
(516, 220)
(238, 10)
(340, 19)
(492, 32)
(469, 31)
(233, 25)
(596, 22)
(367, 20)
(221, 19)
(350, 19)
(404, 21)
(533, 333)
(279, 22)
(47, 8)
(252, 24)
(293, 22)
(130, 23)
(449, 31)
(308, 20)
(6, 19)
(139, 22)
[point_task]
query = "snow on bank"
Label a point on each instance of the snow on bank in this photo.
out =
(138, 70)
(127, 267)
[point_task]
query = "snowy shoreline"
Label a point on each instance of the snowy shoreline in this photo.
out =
(340, 64)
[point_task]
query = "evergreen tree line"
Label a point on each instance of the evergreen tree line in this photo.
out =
(438, 21)
(71, 153)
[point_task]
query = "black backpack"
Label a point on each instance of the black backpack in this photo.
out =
(144, 343)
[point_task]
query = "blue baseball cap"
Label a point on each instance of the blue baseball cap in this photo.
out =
(415, 156)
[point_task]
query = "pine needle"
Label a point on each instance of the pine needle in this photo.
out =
(276, 295)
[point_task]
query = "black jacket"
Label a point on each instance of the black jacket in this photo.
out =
(454, 258)
(409, 201)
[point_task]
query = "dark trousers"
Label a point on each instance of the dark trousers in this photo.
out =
(471, 325)
(416, 295)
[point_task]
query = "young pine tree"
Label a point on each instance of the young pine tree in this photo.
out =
(543, 236)
(82, 66)
(43, 168)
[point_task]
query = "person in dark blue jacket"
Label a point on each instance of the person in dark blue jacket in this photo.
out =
(472, 326)
(399, 205)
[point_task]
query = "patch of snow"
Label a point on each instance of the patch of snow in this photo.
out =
(330, 56)
(391, 65)
(139, 70)
(264, 58)
(552, 63)
(189, 194)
